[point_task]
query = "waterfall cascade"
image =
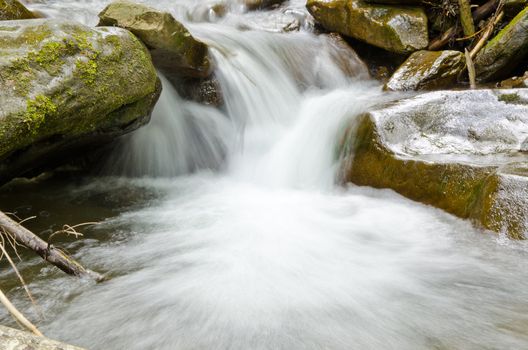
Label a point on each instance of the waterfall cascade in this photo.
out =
(247, 243)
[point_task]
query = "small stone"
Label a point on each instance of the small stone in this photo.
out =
(427, 70)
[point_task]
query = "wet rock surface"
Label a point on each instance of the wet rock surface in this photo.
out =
(393, 28)
(260, 4)
(515, 82)
(67, 88)
(174, 50)
(428, 70)
(458, 151)
(206, 91)
(13, 9)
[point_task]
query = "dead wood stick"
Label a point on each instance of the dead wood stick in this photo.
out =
(46, 251)
(18, 315)
(471, 69)
(486, 35)
(480, 13)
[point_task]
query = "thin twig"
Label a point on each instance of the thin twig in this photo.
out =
(17, 315)
(20, 278)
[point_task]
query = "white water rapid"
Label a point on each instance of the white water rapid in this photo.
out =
(243, 240)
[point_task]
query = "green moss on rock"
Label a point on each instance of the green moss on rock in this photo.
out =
(68, 85)
(37, 111)
(172, 46)
(505, 51)
(13, 9)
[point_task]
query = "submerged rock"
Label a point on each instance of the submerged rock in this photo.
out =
(428, 70)
(260, 4)
(209, 11)
(275, 21)
(205, 91)
(456, 150)
(345, 57)
(174, 50)
(515, 82)
(505, 51)
(396, 29)
(13, 9)
(67, 88)
(13, 339)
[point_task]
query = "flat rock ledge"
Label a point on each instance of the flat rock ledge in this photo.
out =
(461, 151)
(13, 339)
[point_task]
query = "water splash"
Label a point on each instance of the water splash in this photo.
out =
(182, 137)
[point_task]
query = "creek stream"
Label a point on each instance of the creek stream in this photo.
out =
(226, 229)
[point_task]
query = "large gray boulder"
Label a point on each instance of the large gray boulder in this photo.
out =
(461, 151)
(66, 88)
(399, 29)
(174, 50)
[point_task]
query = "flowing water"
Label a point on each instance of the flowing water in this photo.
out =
(224, 229)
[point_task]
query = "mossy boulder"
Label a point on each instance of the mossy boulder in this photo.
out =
(393, 28)
(17, 340)
(174, 50)
(505, 51)
(65, 88)
(13, 9)
(455, 150)
(428, 70)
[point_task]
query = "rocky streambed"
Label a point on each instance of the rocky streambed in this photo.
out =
(275, 96)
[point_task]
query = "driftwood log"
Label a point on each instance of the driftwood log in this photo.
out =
(46, 251)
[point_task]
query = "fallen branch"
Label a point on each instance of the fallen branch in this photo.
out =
(18, 315)
(487, 33)
(480, 13)
(46, 251)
